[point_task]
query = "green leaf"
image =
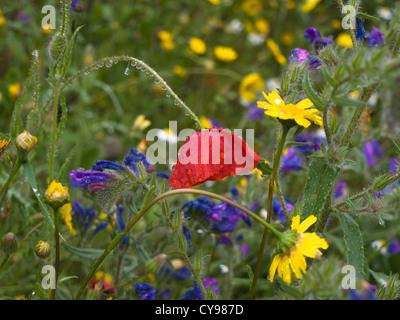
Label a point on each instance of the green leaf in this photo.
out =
(328, 76)
(264, 167)
(67, 278)
(290, 290)
(311, 94)
(84, 253)
(353, 241)
(396, 146)
(250, 273)
(367, 16)
(319, 184)
(32, 180)
(346, 102)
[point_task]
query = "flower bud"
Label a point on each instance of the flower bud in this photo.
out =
(25, 142)
(42, 250)
(154, 264)
(56, 195)
(287, 242)
(57, 46)
(9, 244)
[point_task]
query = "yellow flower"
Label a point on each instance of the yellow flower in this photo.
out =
(2, 20)
(167, 40)
(14, 90)
(105, 276)
(301, 113)
(225, 54)
(215, 1)
(205, 122)
(179, 70)
(344, 40)
(42, 250)
(56, 194)
(287, 38)
(140, 123)
(66, 215)
(292, 263)
(46, 29)
(261, 25)
(249, 84)
(309, 5)
(291, 4)
(252, 7)
(197, 45)
(276, 52)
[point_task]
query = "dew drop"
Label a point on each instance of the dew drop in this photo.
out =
(133, 63)
(127, 71)
(108, 63)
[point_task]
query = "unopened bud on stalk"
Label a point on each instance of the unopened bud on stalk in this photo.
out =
(25, 142)
(42, 250)
(9, 244)
(57, 46)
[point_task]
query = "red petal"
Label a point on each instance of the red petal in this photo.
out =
(211, 154)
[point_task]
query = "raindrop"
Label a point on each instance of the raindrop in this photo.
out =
(108, 63)
(126, 72)
(168, 94)
(176, 102)
(133, 63)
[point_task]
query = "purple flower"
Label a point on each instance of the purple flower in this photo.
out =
(105, 164)
(314, 64)
(145, 291)
(300, 55)
(182, 273)
(24, 17)
(291, 161)
(254, 112)
(339, 189)
(120, 221)
(326, 41)
(211, 282)
(91, 180)
(394, 247)
(313, 35)
(376, 37)
(224, 240)
(278, 209)
(367, 294)
(244, 249)
(372, 151)
(393, 165)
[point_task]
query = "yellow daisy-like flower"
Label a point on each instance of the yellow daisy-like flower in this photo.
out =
(292, 264)
(56, 191)
(179, 70)
(14, 90)
(249, 84)
(252, 7)
(302, 113)
(225, 54)
(197, 45)
(167, 40)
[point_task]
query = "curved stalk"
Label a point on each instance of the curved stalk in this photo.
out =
(275, 169)
(142, 211)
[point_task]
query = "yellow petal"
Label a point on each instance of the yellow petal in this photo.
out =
(274, 265)
(295, 222)
(306, 224)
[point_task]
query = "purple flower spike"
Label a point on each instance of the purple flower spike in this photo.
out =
(211, 282)
(313, 35)
(300, 55)
(372, 151)
(91, 180)
(376, 37)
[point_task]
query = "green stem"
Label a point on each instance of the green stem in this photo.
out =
(4, 189)
(396, 46)
(57, 249)
(275, 170)
(144, 209)
(53, 135)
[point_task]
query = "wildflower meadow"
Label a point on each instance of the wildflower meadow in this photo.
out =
(200, 150)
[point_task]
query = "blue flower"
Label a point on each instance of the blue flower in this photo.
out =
(105, 164)
(134, 158)
(254, 113)
(84, 215)
(182, 273)
(339, 189)
(120, 221)
(92, 180)
(145, 291)
(360, 30)
(193, 294)
(314, 64)
(394, 247)
(376, 37)
(278, 209)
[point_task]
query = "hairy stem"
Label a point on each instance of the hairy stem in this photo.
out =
(275, 170)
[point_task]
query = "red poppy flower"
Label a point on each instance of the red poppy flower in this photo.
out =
(211, 154)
